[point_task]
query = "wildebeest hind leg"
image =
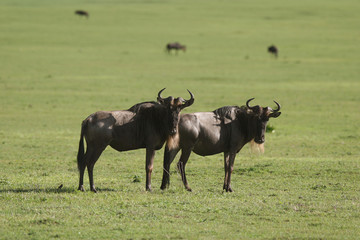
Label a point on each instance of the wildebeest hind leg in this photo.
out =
(81, 180)
(91, 160)
(82, 166)
(185, 154)
(169, 156)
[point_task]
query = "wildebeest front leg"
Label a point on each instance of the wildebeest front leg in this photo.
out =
(226, 168)
(169, 156)
(185, 154)
(229, 159)
(150, 154)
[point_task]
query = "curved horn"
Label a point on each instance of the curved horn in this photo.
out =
(247, 103)
(191, 96)
(278, 106)
(159, 95)
(190, 101)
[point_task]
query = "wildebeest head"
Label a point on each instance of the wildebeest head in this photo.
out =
(174, 106)
(259, 119)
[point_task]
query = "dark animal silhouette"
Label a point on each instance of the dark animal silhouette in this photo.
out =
(226, 130)
(273, 50)
(176, 46)
(82, 13)
(144, 125)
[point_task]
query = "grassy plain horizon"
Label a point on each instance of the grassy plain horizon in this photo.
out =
(57, 68)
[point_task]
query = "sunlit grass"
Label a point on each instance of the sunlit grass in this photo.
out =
(57, 68)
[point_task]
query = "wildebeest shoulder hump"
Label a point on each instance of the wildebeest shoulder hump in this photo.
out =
(138, 107)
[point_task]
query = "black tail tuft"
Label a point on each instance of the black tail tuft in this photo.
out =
(80, 155)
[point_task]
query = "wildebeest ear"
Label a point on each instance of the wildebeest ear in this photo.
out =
(160, 100)
(274, 114)
(187, 103)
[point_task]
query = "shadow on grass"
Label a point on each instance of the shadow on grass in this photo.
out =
(51, 190)
(258, 168)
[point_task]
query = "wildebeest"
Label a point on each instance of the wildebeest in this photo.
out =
(177, 46)
(226, 130)
(144, 125)
(273, 50)
(82, 13)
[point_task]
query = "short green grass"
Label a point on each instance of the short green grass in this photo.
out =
(56, 68)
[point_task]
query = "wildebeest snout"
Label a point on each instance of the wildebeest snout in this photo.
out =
(260, 141)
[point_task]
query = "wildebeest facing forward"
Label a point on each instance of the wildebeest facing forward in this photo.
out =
(273, 50)
(176, 46)
(226, 130)
(144, 125)
(82, 13)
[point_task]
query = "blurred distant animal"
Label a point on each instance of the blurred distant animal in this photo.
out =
(273, 50)
(82, 13)
(176, 46)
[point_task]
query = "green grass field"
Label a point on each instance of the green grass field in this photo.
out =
(57, 68)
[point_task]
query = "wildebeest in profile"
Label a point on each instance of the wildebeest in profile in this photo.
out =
(176, 46)
(144, 125)
(82, 13)
(226, 130)
(273, 50)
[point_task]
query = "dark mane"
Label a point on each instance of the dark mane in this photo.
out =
(226, 111)
(150, 115)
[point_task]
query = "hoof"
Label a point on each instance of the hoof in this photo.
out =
(188, 188)
(81, 188)
(228, 189)
(165, 185)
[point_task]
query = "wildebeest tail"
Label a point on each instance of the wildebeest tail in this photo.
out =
(80, 155)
